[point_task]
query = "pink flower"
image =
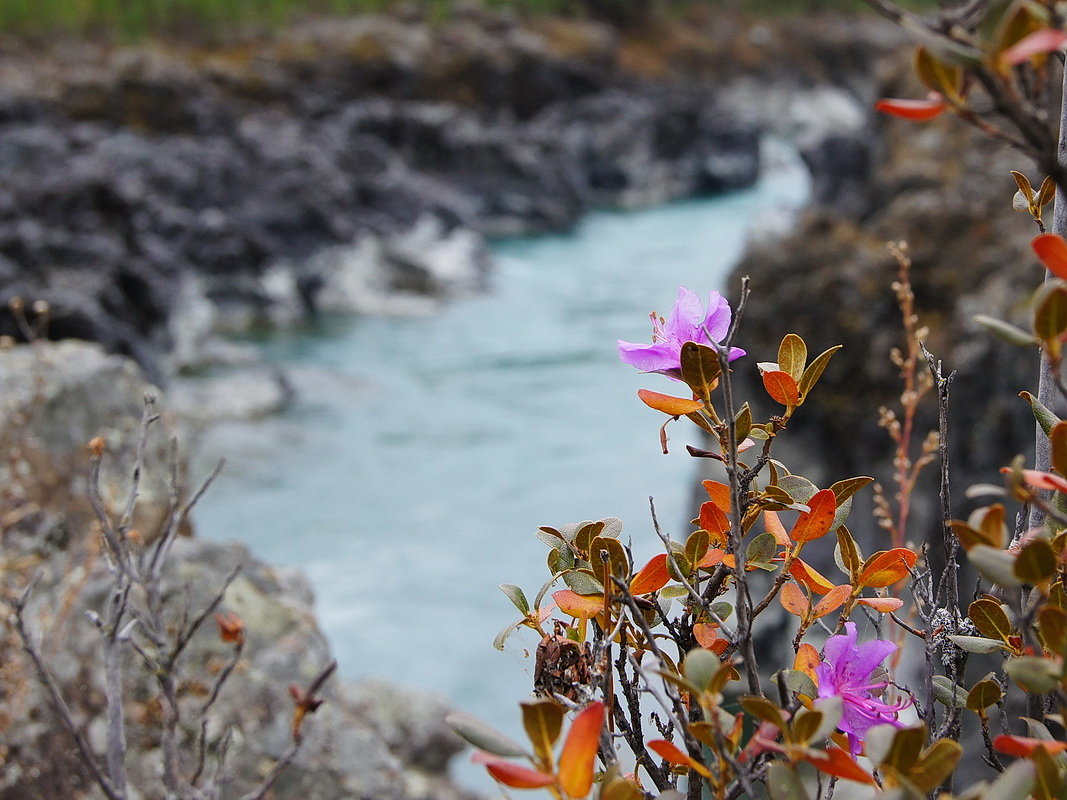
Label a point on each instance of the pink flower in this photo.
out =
(846, 673)
(685, 324)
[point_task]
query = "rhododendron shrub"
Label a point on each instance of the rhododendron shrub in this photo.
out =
(650, 645)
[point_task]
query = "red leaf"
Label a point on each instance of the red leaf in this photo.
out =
(816, 522)
(807, 659)
(794, 600)
(915, 110)
(887, 567)
(772, 523)
(652, 577)
(706, 636)
(840, 764)
(578, 605)
(882, 605)
(781, 387)
(1023, 746)
(808, 576)
(1046, 40)
(675, 406)
(1043, 480)
(1051, 250)
(719, 493)
(672, 755)
(579, 751)
(833, 600)
(514, 775)
(714, 520)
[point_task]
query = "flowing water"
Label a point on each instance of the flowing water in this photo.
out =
(409, 478)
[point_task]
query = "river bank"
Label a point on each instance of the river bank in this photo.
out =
(156, 195)
(361, 167)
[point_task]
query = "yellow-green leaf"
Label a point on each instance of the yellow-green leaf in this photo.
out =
(792, 356)
(543, 721)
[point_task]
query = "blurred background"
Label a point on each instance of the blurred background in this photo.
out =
(377, 256)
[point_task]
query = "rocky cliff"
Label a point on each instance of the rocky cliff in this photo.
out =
(945, 190)
(369, 739)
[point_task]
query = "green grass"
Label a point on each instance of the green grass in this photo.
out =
(137, 19)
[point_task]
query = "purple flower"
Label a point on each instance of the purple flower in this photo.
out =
(685, 324)
(846, 673)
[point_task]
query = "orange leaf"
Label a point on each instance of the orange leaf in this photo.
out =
(1052, 251)
(511, 774)
(714, 557)
(652, 577)
(782, 387)
(840, 764)
(582, 606)
(579, 751)
(816, 523)
(887, 567)
(1040, 42)
(706, 636)
(714, 520)
(672, 755)
(675, 406)
(807, 659)
(719, 493)
(882, 604)
(915, 110)
(809, 577)
(794, 600)
(1043, 480)
(772, 523)
(1024, 746)
(834, 599)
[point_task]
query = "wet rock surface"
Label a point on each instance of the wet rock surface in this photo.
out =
(139, 180)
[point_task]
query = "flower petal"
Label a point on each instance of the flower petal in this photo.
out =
(717, 320)
(684, 322)
(650, 357)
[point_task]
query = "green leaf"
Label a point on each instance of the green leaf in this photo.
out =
(990, 619)
(843, 490)
(806, 724)
(935, 764)
(1052, 622)
(1035, 562)
(1033, 673)
(761, 550)
(1014, 783)
(984, 694)
(800, 489)
(764, 710)
(797, 682)
(948, 693)
(696, 546)
(543, 721)
(977, 644)
(995, 565)
(1050, 311)
(502, 637)
(516, 596)
(484, 737)
(700, 667)
(784, 784)
(847, 554)
(582, 583)
(700, 368)
(1045, 418)
(1005, 331)
(743, 422)
(815, 370)
(792, 356)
